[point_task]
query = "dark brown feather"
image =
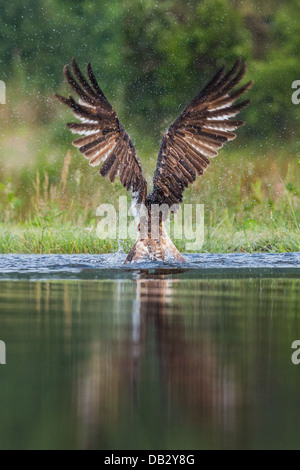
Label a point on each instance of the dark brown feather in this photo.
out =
(198, 133)
(104, 137)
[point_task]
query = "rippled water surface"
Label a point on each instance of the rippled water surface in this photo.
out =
(112, 266)
(101, 355)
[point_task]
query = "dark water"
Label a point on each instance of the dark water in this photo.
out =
(102, 356)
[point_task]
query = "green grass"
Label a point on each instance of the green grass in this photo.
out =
(69, 239)
(63, 239)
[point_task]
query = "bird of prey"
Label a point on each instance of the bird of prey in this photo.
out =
(185, 152)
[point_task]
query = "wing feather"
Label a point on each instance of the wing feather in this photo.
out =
(198, 133)
(104, 139)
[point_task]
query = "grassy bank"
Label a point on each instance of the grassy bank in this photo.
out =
(67, 239)
(251, 203)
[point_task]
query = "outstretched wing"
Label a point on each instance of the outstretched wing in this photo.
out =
(104, 138)
(196, 135)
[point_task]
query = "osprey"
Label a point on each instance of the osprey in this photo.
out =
(186, 148)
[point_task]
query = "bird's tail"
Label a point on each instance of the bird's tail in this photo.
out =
(155, 249)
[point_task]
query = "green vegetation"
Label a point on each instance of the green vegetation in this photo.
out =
(151, 59)
(249, 206)
(66, 239)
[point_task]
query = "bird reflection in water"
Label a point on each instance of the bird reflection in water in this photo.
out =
(191, 375)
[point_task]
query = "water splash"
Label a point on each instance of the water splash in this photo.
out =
(110, 266)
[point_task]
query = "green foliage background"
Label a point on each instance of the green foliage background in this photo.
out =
(152, 56)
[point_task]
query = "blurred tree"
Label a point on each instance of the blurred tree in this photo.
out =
(272, 110)
(152, 56)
